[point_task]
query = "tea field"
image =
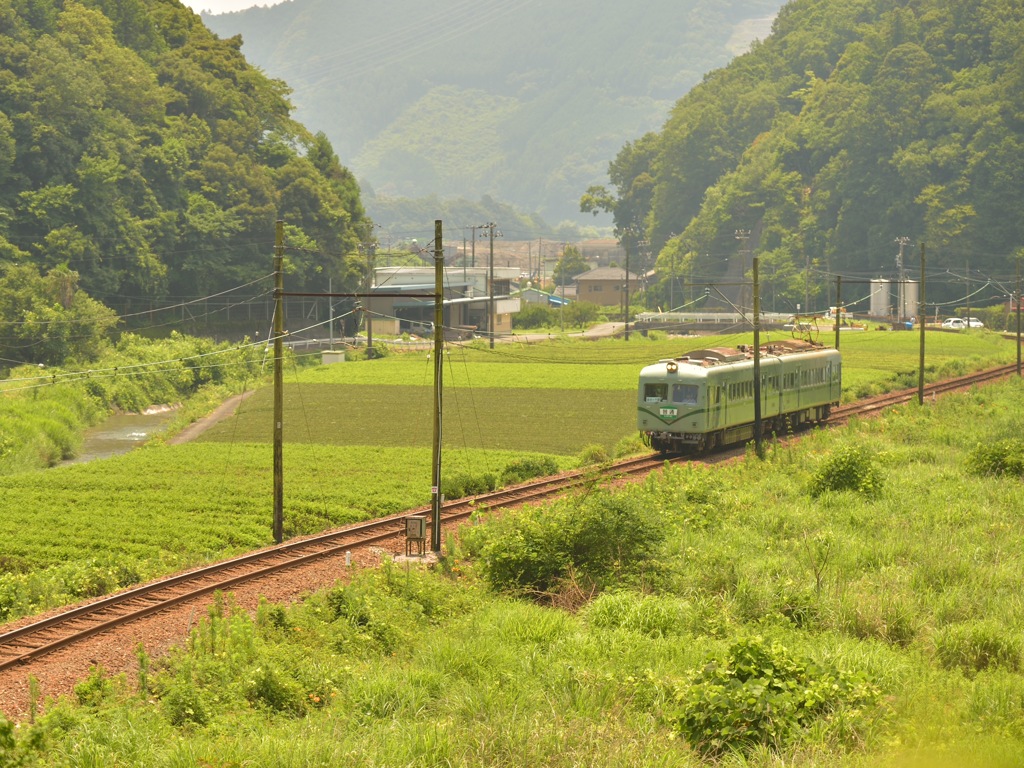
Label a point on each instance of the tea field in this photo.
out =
(358, 445)
(851, 601)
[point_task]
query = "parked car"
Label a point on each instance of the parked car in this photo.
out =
(974, 322)
(954, 322)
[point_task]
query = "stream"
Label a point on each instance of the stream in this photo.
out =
(120, 433)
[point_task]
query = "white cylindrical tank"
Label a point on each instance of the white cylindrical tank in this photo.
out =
(906, 306)
(881, 298)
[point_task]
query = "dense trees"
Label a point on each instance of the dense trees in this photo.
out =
(852, 125)
(142, 153)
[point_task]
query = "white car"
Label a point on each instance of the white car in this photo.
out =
(974, 322)
(954, 322)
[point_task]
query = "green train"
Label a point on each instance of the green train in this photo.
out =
(706, 399)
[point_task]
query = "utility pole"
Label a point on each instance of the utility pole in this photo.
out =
(921, 318)
(807, 282)
(561, 306)
(758, 437)
(967, 292)
(839, 305)
(672, 284)
(625, 308)
(370, 252)
(279, 383)
(901, 278)
(435, 486)
(742, 235)
(1018, 316)
(490, 282)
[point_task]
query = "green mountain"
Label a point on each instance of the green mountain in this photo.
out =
(853, 125)
(142, 152)
(521, 100)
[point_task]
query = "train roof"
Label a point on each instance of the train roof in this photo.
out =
(713, 356)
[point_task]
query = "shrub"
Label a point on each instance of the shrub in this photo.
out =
(630, 445)
(600, 539)
(182, 703)
(534, 316)
(1003, 457)
(594, 454)
(465, 484)
(977, 646)
(848, 468)
(270, 689)
(520, 470)
(95, 689)
(761, 694)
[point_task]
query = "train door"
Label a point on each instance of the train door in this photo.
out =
(715, 406)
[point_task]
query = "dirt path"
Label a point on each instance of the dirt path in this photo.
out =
(222, 411)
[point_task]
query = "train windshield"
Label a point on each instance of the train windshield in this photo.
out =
(684, 393)
(655, 393)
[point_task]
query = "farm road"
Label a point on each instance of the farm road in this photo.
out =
(222, 411)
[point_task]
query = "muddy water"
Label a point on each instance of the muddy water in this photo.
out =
(120, 433)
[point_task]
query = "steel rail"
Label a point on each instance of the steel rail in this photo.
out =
(261, 563)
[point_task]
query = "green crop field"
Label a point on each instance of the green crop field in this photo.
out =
(357, 445)
(851, 601)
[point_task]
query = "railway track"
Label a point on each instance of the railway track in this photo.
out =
(32, 641)
(45, 636)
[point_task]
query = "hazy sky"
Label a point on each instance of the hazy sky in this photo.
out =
(225, 6)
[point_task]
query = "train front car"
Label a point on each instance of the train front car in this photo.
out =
(672, 407)
(706, 398)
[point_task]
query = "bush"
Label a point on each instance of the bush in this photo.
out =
(182, 703)
(520, 470)
(464, 484)
(848, 468)
(598, 539)
(534, 316)
(1003, 457)
(630, 445)
(594, 454)
(760, 694)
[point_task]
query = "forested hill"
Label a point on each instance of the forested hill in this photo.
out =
(852, 125)
(146, 154)
(522, 100)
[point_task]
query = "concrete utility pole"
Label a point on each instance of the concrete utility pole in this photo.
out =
(489, 226)
(758, 437)
(967, 292)
(491, 282)
(435, 489)
(901, 280)
(743, 235)
(279, 383)
(1018, 316)
(839, 306)
(371, 251)
(921, 315)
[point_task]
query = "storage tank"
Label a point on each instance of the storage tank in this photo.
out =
(881, 298)
(906, 304)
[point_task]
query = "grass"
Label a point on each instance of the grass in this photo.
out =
(358, 437)
(907, 597)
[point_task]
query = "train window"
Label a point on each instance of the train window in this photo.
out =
(655, 393)
(684, 393)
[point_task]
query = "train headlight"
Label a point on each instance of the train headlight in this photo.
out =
(672, 367)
